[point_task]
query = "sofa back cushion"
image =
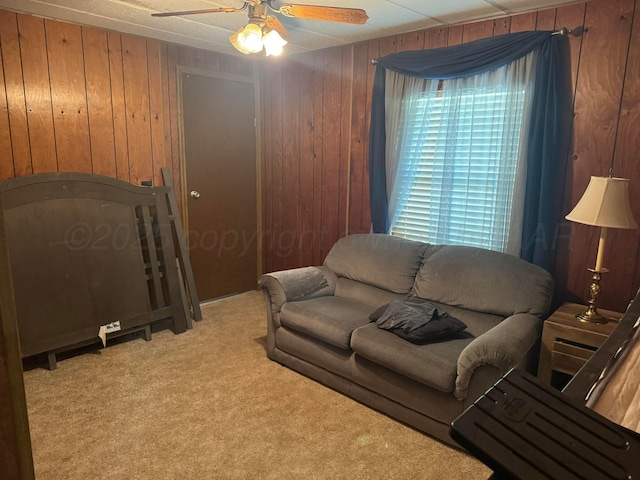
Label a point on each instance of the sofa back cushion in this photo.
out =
(484, 281)
(380, 260)
(366, 294)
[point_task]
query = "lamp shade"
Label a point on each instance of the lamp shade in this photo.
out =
(605, 203)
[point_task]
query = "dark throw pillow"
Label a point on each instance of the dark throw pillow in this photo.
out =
(419, 322)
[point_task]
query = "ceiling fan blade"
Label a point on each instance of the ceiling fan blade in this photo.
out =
(196, 12)
(332, 14)
(273, 23)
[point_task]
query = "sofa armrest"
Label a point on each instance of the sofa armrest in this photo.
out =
(298, 283)
(503, 347)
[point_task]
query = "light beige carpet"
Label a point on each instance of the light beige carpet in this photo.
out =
(208, 404)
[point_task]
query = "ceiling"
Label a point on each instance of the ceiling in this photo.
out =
(211, 31)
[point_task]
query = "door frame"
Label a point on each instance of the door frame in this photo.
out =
(184, 210)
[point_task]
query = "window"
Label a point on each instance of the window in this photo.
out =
(458, 152)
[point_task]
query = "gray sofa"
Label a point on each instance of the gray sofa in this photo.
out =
(319, 325)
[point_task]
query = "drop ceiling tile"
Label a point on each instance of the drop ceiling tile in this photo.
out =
(513, 6)
(452, 10)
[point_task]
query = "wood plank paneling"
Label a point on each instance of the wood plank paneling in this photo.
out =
(35, 73)
(69, 97)
(477, 30)
(436, 38)
(387, 46)
(6, 163)
(156, 115)
(267, 172)
(291, 164)
(236, 65)
(597, 109)
(14, 94)
(570, 17)
(624, 245)
(345, 139)
(523, 22)
(454, 35)
(359, 137)
(374, 52)
(331, 145)
(187, 56)
(411, 41)
(501, 26)
(96, 65)
(136, 88)
(166, 112)
(277, 189)
(116, 78)
(307, 156)
(319, 226)
(172, 64)
(546, 19)
(201, 58)
(212, 62)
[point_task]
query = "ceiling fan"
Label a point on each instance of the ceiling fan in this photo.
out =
(265, 31)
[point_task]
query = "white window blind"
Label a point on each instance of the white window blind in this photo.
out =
(462, 171)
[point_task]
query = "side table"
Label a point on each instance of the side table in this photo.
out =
(567, 343)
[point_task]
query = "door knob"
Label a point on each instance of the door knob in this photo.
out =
(195, 194)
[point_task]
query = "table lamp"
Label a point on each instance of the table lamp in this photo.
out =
(605, 204)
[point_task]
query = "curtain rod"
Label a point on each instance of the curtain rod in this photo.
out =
(576, 32)
(564, 31)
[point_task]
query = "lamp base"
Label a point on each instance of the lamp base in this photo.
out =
(591, 315)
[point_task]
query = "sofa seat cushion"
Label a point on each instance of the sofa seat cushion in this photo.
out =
(432, 364)
(330, 319)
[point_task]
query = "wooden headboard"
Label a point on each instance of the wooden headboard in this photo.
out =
(86, 251)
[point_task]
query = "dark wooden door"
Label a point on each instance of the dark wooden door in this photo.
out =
(220, 157)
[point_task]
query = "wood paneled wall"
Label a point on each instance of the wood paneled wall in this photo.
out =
(306, 141)
(316, 124)
(81, 99)
(605, 138)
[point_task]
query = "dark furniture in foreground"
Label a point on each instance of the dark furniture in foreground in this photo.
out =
(523, 428)
(87, 251)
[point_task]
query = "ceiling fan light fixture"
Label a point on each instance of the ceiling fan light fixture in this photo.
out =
(273, 42)
(265, 32)
(248, 39)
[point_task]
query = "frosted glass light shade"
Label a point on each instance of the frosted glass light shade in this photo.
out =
(247, 39)
(234, 41)
(273, 43)
(605, 203)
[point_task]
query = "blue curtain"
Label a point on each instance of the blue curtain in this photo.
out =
(551, 115)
